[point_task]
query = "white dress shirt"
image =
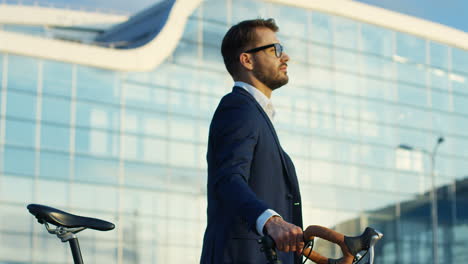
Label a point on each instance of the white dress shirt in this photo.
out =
(267, 106)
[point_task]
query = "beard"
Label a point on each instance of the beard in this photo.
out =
(271, 80)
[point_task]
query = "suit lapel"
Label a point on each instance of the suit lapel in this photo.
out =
(273, 131)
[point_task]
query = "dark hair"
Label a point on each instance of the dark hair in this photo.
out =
(239, 37)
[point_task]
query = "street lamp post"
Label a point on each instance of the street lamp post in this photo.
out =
(433, 193)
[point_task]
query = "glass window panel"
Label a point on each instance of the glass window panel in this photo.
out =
(417, 139)
(321, 78)
(439, 55)
(92, 169)
(209, 79)
(54, 165)
(320, 55)
(408, 94)
(460, 125)
(347, 83)
(438, 79)
(216, 10)
(142, 96)
(347, 107)
(21, 105)
(347, 128)
(183, 103)
(295, 145)
(246, 9)
(459, 83)
(296, 49)
(155, 150)
(182, 154)
(376, 40)
(55, 137)
(212, 58)
(207, 105)
(346, 60)
(346, 33)
(183, 78)
(15, 190)
(321, 171)
(440, 100)
(94, 197)
(22, 73)
(55, 110)
(20, 133)
(191, 27)
(1, 68)
(97, 142)
(52, 193)
(459, 60)
(411, 48)
(97, 85)
(409, 116)
(57, 78)
(321, 148)
(292, 21)
(184, 179)
(347, 152)
(411, 73)
(14, 221)
(378, 89)
(187, 53)
(19, 161)
(97, 116)
(145, 122)
(298, 75)
(182, 128)
(377, 156)
(459, 103)
(213, 33)
(322, 28)
(145, 175)
(377, 66)
(16, 247)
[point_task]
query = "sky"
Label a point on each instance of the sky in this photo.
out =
(452, 13)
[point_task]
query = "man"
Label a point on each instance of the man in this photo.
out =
(252, 183)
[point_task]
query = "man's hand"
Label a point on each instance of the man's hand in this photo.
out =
(287, 237)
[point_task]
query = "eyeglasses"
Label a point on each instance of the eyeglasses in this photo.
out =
(278, 49)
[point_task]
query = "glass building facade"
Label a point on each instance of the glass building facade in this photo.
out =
(130, 147)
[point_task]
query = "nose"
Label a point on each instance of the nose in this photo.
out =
(284, 57)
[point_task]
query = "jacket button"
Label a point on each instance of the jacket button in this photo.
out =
(289, 196)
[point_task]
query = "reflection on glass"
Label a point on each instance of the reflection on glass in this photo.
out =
(54, 165)
(22, 73)
(20, 133)
(57, 78)
(19, 161)
(21, 105)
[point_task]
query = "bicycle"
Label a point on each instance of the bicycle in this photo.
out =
(356, 250)
(67, 226)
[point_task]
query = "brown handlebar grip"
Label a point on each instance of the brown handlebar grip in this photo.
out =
(332, 236)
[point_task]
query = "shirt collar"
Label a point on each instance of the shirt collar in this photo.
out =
(262, 99)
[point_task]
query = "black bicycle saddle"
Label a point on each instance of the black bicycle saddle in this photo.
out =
(60, 218)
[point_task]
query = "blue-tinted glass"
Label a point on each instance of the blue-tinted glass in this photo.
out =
(408, 94)
(438, 55)
(438, 79)
(155, 150)
(346, 60)
(298, 75)
(15, 190)
(215, 10)
(54, 165)
(183, 179)
(346, 33)
(460, 104)
(57, 78)
(376, 40)
(191, 29)
(143, 96)
(145, 175)
(182, 78)
(291, 21)
(440, 100)
(377, 156)
(347, 83)
(187, 53)
(347, 106)
(377, 66)
(20, 133)
(22, 73)
(321, 78)
(411, 47)
(296, 49)
(459, 60)
(322, 28)
(19, 161)
(347, 128)
(246, 9)
(97, 116)
(1, 68)
(459, 83)
(215, 83)
(97, 142)
(212, 58)
(21, 105)
(55, 137)
(379, 89)
(460, 124)
(99, 199)
(183, 103)
(55, 110)
(182, 128)
(91, 169)
(97, 85)
(208, 105)
(213, 34)
(347, 152)
(182, 154)
(145, 122)
(410, 116)
(320, 55)
(411, 73)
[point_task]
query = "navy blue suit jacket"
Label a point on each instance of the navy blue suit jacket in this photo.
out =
(248, 172)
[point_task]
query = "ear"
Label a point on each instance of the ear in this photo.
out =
(246, 60)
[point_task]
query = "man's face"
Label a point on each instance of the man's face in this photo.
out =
(269, 69)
